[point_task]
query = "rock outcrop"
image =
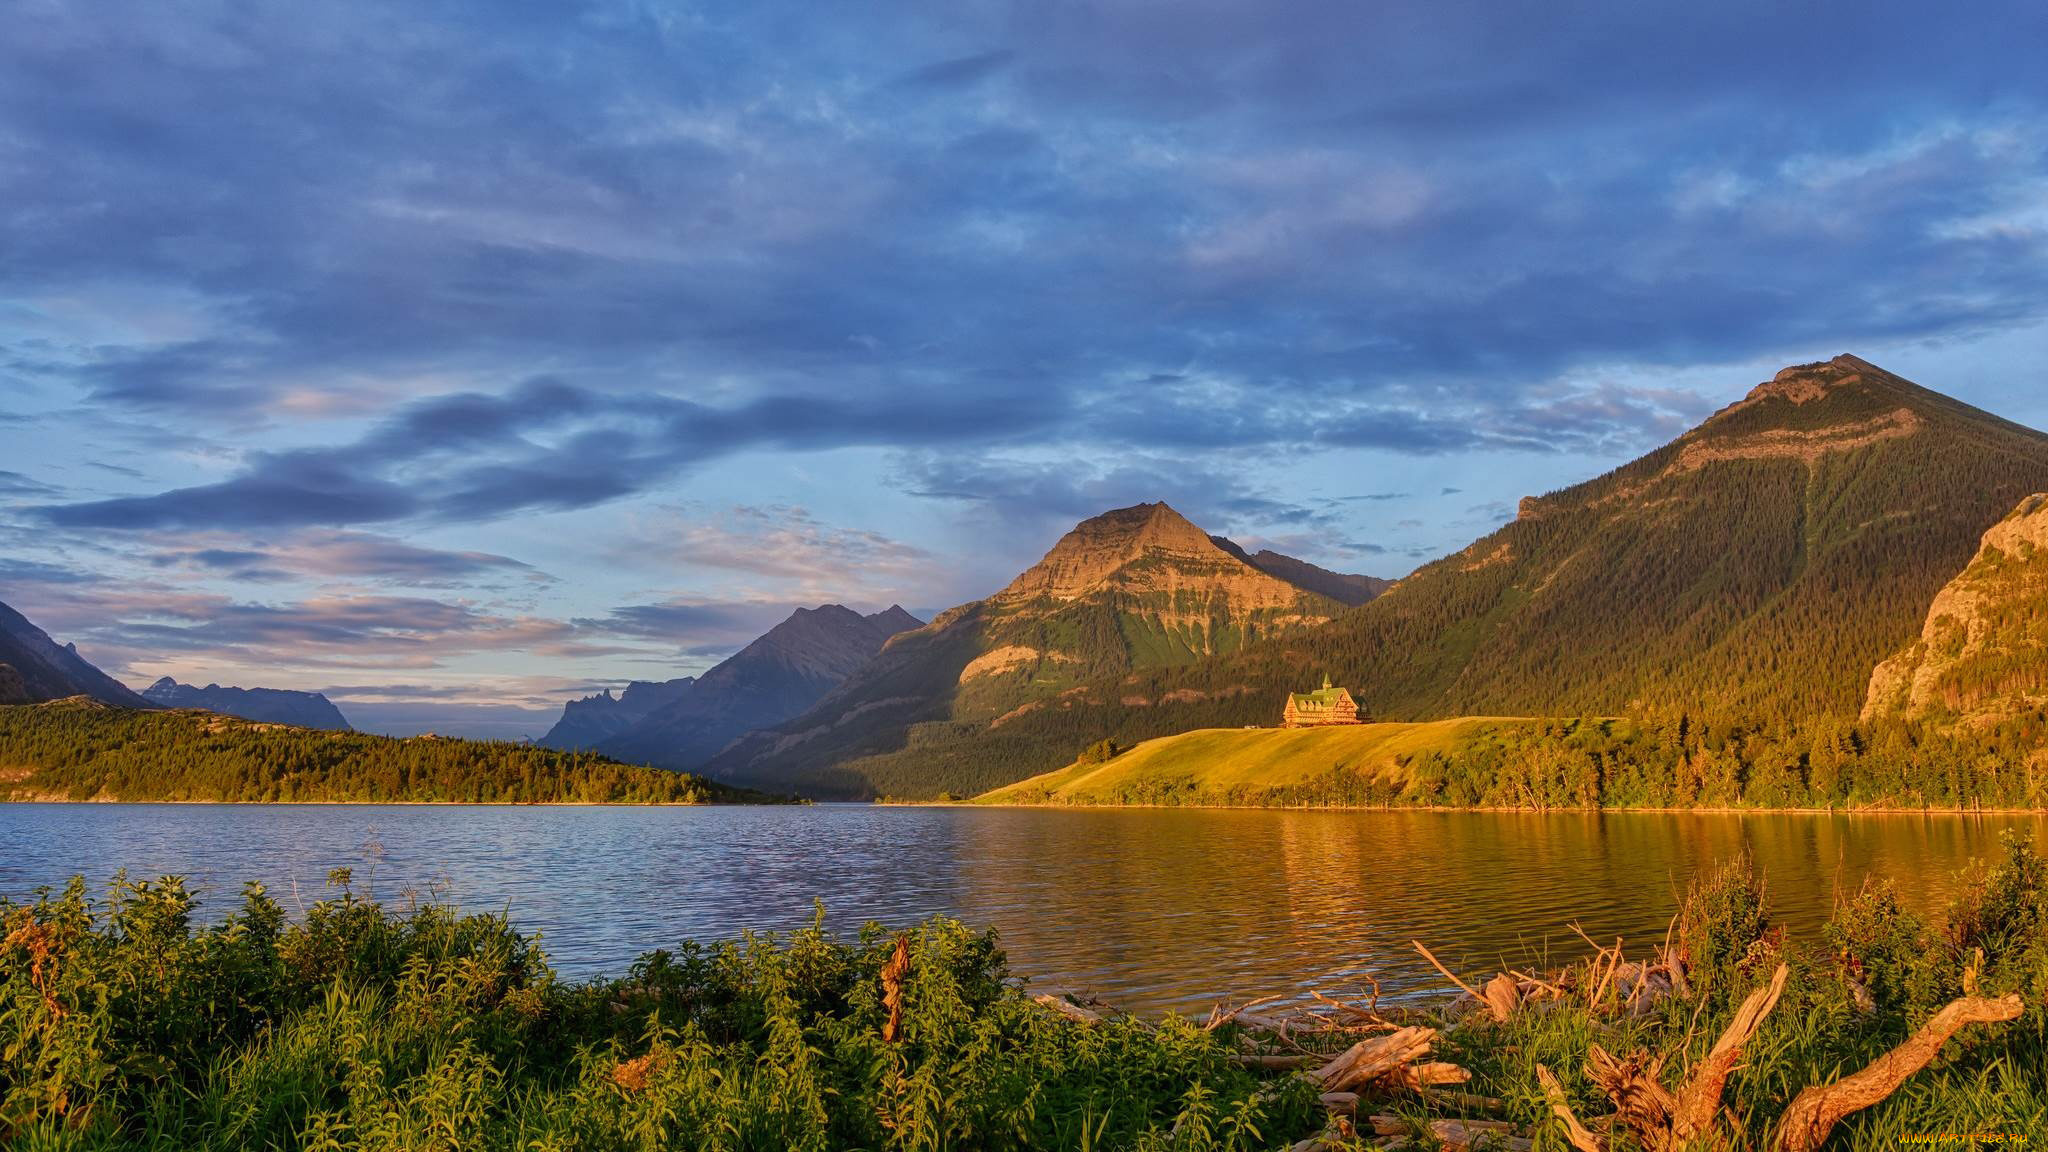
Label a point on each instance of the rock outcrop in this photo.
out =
(264, 705)
(1984, 650)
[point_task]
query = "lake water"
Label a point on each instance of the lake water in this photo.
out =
(1150, 909)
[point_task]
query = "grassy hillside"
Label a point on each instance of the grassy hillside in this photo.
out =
(1758, 567)
(81, 750)
(1214, 765)
(1671, 761)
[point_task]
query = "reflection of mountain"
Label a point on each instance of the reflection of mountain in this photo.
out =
(268, 705)
(587, 722)
(777, 676)
(41, 669)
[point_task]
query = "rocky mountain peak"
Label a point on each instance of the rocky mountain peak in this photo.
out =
(1101, 546)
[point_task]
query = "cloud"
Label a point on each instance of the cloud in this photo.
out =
(16, 484)
(692, 627)
(333, 556)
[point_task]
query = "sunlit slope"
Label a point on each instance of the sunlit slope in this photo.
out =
(1225, 765)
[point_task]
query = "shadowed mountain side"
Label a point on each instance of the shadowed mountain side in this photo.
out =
(1983, 652)
(587, 722)
(1131, 589)
(268, 705)
(1760, 565)
(1345, 588)
(46, 670)
(772, 679)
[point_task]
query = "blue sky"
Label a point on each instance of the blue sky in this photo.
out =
(454, 358)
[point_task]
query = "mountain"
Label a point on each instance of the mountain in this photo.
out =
(44, 670)
(1131, 589)
(772, 679)
(1983, 652)
(265, 705)
(1759, 566)
(1343, 587)
(587, 722)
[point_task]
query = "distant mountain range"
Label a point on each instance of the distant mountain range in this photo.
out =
(779, 675)
(587, 722)
(1133, 589)
(266, 705)
(38, 668)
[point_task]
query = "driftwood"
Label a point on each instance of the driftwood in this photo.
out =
(1502, 995)
(1369, 1060)
(894, 973)
(1479, 1134)
(1456, 1134)
(1067, 1008)
(1421, 1077)
(1277, 1061)
(1663, 1120)
(1814, 1112)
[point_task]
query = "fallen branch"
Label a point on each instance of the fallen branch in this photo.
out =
(1580, 1137)
(1448, 975)
(1067, 1008)
(1815, 1111)
(1369, 1060)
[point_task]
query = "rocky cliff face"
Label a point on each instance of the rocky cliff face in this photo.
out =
(1984, 650)
(588, 722)
(264, 705)
(47, 670)
(772, 679)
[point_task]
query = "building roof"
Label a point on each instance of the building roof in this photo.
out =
(1324, 697)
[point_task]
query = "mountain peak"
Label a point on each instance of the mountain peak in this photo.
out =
(1100, 546)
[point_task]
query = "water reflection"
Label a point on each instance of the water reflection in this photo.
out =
(1149, 908)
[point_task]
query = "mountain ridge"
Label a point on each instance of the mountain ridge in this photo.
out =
(778, 675)
(265, 705)
(45, 670)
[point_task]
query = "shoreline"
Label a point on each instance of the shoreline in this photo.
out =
(801, 803)
(1704, 811)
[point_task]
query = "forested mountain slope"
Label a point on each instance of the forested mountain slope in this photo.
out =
(80, 749)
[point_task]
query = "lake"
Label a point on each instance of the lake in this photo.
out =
(1150, 909)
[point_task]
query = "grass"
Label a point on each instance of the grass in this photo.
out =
(1214, 764)
(124, 1025)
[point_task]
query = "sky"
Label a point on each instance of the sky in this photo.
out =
(457, 359)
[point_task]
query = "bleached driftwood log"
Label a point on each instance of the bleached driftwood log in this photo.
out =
(1814, 1112)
